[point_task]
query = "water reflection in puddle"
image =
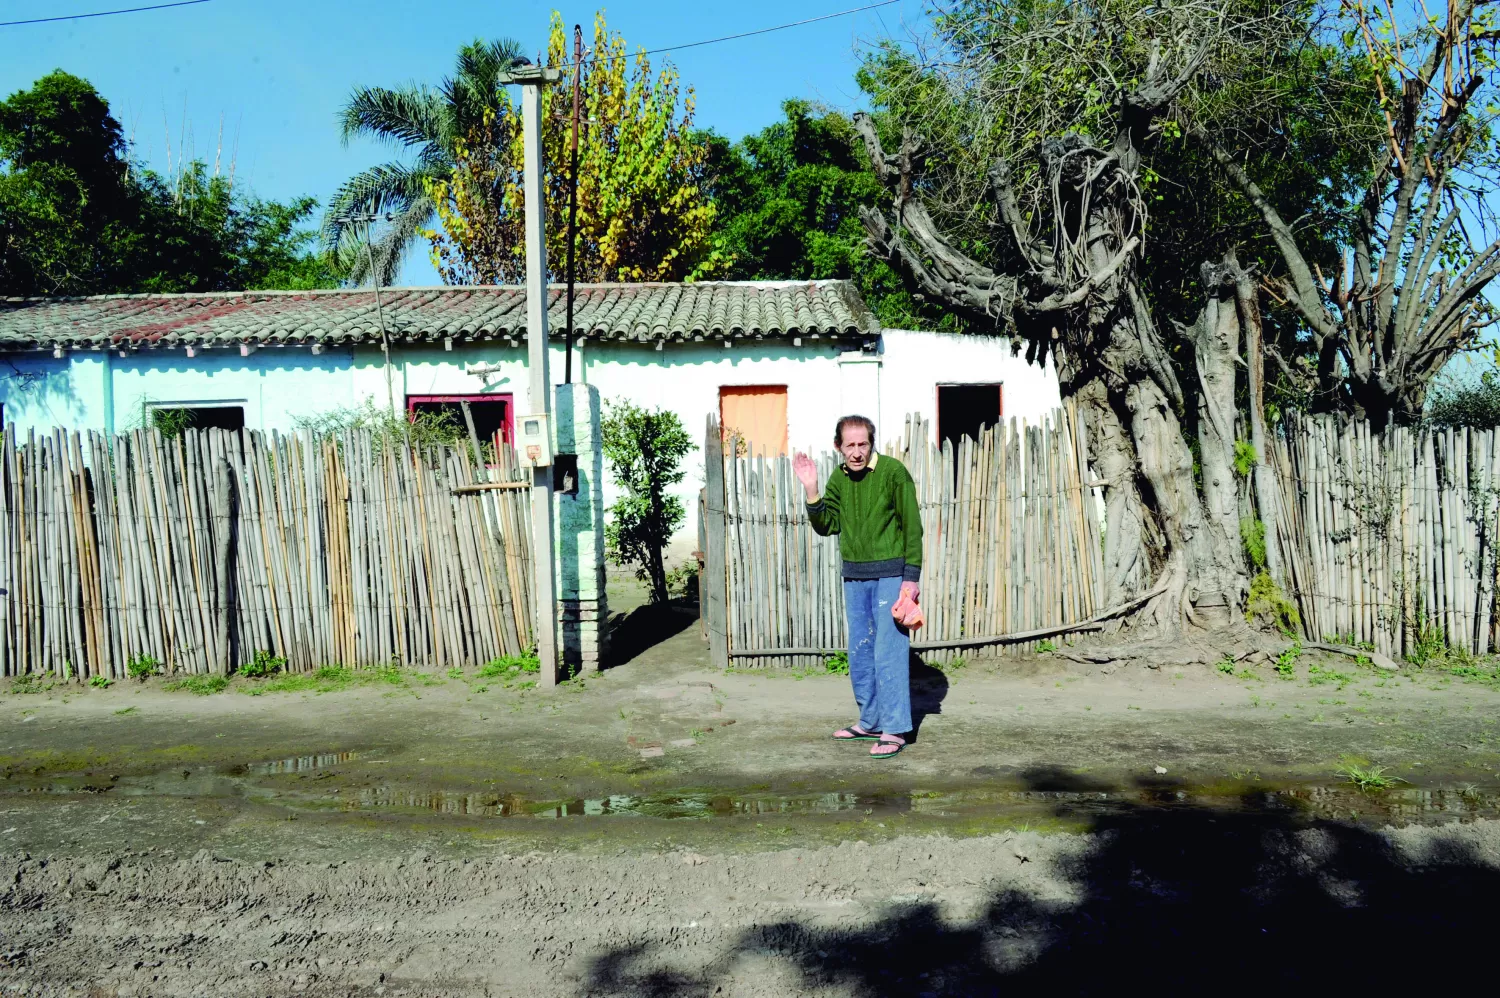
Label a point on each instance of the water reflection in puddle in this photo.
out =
(1318, 801)
(301, 763)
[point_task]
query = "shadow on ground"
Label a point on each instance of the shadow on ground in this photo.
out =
(929, 687)
(634, 633)
(1176, 900)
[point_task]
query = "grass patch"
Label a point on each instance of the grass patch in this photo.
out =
(509, 670)
(128, 710)
(1226, 665)
(200, 685)
(837, 664)
(1045, 647)
(30, 684)
(329, 679)
(101, 682)
(1366, 777)
(1317, 675)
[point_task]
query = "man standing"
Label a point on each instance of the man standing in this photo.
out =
(870, 501)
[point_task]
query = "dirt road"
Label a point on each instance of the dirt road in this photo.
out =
(666, 829)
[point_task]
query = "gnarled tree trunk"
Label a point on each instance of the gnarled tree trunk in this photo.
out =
(1075, 290)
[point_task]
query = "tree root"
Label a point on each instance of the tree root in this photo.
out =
(1240, 645)
(1378, 660)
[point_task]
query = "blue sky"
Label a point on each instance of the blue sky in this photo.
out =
(277, 70)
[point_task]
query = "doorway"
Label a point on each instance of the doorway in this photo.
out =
(962, 410)
(756, 414)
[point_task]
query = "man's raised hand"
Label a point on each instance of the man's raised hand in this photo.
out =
(807, 474)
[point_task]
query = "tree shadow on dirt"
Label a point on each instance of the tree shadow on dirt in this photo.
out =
(634, 633)
(1177, 900)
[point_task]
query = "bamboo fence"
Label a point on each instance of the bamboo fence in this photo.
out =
(204, 549)
(1011, 543)
(1391, 538)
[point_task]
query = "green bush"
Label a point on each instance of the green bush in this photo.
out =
(1475, 404)
(262, 665)
(142, 666)
(683, 580)
(837, 664)
(644, 449)
(101, 682)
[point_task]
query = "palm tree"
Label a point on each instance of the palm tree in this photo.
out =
(422, 118)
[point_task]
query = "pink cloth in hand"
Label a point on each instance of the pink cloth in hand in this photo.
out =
(906, 611)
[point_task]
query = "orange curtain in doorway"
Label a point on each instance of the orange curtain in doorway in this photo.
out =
(757, 415)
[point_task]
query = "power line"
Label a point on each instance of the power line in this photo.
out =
(102, 13)
(757, 31)
(779, 27)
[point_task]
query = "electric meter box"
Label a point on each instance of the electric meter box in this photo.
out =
(534, 440)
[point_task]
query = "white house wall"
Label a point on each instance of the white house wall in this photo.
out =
(279, 386)
(913, 364)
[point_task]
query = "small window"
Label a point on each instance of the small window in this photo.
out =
(963, 410)
(172, 419)
(756, 415)
(492, 414)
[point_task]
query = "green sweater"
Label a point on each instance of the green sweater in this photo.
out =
(875, 514)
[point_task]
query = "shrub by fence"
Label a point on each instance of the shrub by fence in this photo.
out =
(203, 549)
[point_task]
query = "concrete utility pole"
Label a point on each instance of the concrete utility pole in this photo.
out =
(532, 79)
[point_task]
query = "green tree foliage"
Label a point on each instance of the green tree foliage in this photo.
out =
(1473, 403)
(788, 202)
(1298, 108)
(78, 217)
(644, 449)
(642, 211)
(429, 122)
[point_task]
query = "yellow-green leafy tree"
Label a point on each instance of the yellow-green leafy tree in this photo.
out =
(643, 211)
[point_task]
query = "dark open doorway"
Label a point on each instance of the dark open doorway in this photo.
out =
(963, 409)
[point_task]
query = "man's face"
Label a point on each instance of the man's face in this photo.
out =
(856, 447)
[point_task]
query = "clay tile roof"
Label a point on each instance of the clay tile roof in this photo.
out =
(633, 312)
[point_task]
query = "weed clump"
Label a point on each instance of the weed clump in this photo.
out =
(1269, 605)
(263, 665)
(1365, 776)
(508, 669)
(1286, 662)
(101, 682)
(837, 664)
(142, 667)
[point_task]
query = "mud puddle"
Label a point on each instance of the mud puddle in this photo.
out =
(317, 785)
(1332, 802)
